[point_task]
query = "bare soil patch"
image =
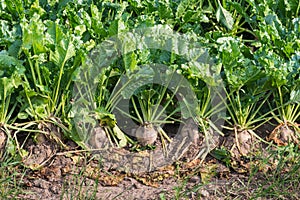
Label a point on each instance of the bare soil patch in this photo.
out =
(52, 173)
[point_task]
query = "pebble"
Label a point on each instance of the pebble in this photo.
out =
(204, 193)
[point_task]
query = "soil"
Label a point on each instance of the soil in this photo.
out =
(63, 179)
(54, 173)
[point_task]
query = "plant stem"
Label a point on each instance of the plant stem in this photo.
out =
(57, 86)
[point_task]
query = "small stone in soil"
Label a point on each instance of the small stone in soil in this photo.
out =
(203, 193)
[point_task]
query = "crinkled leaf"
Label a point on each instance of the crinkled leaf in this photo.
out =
(224, 17)
(130, 61)
(62, 53)
(106, 118)
(33, 34)
(64, 48)
(239, 69)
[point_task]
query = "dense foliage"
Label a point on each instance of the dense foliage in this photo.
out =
(255, 46)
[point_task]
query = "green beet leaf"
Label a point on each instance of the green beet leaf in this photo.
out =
(224, 17)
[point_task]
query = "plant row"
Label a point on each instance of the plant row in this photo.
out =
(45, 53)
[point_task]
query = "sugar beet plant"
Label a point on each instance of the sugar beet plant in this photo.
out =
(92, 109)
(153, 105)
(254, 79)
(246, 93)
(285, 83)
(149, 105)
(11, 80)
(279, 56)
(40, 57)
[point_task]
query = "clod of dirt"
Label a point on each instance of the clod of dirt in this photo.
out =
(44, 147)
(146, 134)
(38, 154)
